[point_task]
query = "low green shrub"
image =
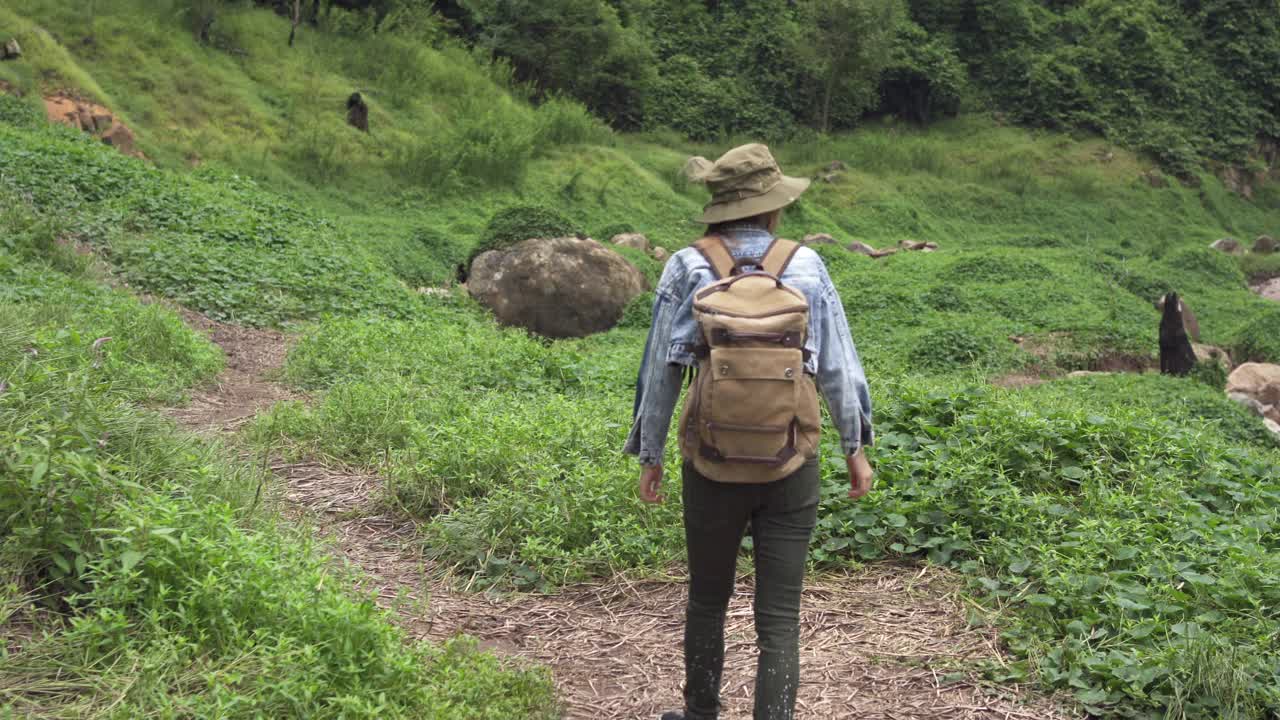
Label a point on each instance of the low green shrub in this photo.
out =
(18, 112)
(638, 313)
(566, 122)
(957, 348)
(1258, 339)
(518, 223)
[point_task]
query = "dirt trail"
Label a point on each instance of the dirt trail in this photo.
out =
(886, 642)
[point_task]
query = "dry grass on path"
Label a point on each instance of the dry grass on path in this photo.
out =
(885, 642)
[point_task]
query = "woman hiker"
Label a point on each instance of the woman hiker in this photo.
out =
(749, 193)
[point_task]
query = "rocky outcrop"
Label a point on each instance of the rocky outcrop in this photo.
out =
(562, 287)
(93, 119)
(904, 246)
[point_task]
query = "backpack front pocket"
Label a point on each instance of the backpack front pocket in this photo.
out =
(749, 404)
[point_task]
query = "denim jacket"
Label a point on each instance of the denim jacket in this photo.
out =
(833, 360)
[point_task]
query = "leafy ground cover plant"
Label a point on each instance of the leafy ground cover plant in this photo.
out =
(143, 575)
(214, 241)
(1119, 523)
(1120, 527)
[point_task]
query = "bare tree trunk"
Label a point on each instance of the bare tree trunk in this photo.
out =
(297, 19)
(827, 92)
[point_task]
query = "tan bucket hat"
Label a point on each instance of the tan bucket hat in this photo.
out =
(744, 182)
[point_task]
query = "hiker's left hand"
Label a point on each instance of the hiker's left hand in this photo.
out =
(651, 483)
(860, 474)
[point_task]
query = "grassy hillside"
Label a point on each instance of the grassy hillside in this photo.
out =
(1121, 529)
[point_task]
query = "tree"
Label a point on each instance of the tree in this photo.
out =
(924, 77)
(578, 47)
(846, 44)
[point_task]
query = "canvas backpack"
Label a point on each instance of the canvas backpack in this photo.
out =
(751, 414)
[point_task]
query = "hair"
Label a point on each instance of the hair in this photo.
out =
(761, 220)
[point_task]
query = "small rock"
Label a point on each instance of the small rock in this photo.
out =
(1272, 425)
(1086, 373)
(1269, 290)
(1249, 403)
(862, 249)
(12, 50)
(121, 138)
(886, 252)
(86, 119)
(1265, 245)
(1228, 245)
(1155, 179)
(1209, 353)
(632, 240)
(912, 245)
(102, 122)
(661, 254)
(835, 166)
(818, 239)
(829, 177)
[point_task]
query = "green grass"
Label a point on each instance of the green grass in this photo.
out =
(1121, 530)
(145, 573)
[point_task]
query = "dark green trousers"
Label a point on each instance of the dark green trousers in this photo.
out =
(782, 515)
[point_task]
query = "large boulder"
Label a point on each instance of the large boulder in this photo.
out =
(1260, 382)
(563, 287)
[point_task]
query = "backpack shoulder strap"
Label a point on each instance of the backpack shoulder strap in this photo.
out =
(718, 257)
(778, 256)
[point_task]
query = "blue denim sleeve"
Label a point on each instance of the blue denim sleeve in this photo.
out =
(840, 376)
(658, 382)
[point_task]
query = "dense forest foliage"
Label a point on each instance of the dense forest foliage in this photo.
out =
(1178, 80)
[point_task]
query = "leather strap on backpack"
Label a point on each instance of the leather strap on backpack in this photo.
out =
(778, 257)
(717, 255)
(775, 261)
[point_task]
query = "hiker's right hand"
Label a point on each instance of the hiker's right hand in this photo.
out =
(860, 474)
(650, 483)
